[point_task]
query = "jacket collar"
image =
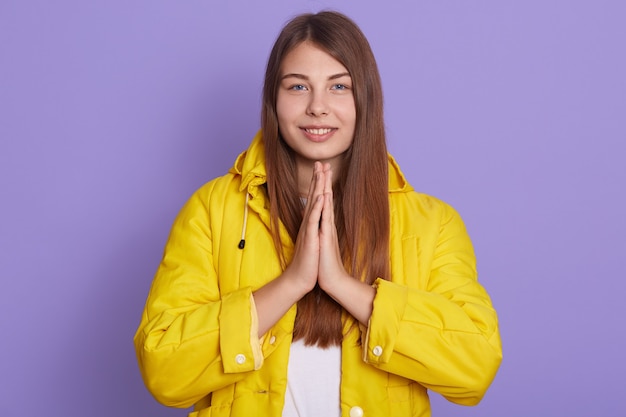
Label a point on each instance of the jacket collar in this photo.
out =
(397, 182)
(250, 165)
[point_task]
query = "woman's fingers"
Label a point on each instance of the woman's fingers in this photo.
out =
(311, 192)
(316, 189)
(331, 268)
(319, 177)
(328, 177)
(329, 205)
(317, 247)
(305, 261)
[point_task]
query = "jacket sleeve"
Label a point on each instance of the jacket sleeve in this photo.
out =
(444, 336)
(192, 339)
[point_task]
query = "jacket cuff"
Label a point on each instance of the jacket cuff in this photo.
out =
(384, 324)
(239, 342)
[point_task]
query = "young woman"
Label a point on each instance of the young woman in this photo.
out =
(311, 279)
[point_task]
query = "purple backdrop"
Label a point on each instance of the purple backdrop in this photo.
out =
(112, 113)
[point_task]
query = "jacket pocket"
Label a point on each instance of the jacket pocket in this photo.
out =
(399, 400)
(409, 258)
(223, 411)
(205, 412)
(412, 263)
(407, 398)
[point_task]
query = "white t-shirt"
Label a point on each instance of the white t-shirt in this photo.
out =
(313, 380)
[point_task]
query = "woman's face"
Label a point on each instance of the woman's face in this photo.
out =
(315, 106)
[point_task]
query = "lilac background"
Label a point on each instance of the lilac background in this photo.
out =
(112, 113)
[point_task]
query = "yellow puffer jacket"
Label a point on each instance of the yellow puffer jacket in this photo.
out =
(432, 326)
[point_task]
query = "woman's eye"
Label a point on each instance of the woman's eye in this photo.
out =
(297, 87)
(340, 87)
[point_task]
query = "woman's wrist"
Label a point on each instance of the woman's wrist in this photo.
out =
(353, 295)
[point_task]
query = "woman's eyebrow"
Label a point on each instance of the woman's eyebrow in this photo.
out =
(294, 75)
(306, 78)
(340, 75)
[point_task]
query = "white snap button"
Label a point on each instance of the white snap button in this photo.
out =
(272, 340)
(377, 351)
(240, 359)
(356, 412)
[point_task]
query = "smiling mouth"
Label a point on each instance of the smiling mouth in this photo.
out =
(318, 131)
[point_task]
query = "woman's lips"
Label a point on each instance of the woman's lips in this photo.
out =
(318, 134)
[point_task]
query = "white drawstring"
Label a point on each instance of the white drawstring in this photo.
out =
(242, 242)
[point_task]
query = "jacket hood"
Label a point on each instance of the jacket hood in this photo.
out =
(250, 166)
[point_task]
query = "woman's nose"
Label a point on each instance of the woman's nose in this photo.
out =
(318, 106)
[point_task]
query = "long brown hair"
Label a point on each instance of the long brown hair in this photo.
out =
(360, 192)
